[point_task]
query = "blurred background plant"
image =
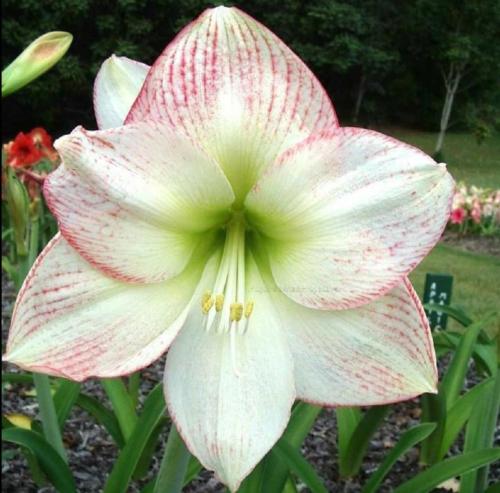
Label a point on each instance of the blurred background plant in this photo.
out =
(475, 210)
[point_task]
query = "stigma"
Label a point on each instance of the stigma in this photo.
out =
(225, 307)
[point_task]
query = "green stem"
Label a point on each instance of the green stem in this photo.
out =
(46, 406)
(48, 414)
(173, 466)
(122, 405)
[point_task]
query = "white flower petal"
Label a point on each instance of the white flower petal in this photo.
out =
(116, 86)
(233, 86)
(379, 353)
(231, 412)
(347, 214)
(70, 320)
(136, 201)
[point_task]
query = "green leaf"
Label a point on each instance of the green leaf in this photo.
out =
(292, 457)
(408, 440)
(433, 411)
(452, 383)
(449, 468)
(272, 473)
(360, 439)
(173, 465)
(494, 488)
(452, 311)
(193, 469)
(460, 413)
(479, 435)
(64, 399)
(49, 459)
(348, 419)
(154, 410)
(103, 416)
(25, 378)
(145, 460)
(122, 403)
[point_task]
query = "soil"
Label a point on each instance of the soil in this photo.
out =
(92, 453)
(489, 245)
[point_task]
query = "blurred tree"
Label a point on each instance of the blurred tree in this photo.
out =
(461, 38)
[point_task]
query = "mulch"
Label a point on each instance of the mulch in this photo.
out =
(92, 453)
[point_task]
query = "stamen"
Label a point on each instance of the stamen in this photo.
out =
(229, 287)
(236, 312)
(219, 302)
(249, 308)
(207, 302)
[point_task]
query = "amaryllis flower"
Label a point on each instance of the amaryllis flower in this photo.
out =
(22, 151)
(221, 213)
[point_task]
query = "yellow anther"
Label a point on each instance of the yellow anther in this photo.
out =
(207, 301)
(249, 308)
(219, 302)
(236, 312)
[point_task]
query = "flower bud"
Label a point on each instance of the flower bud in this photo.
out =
(18, 207)
(36, 59)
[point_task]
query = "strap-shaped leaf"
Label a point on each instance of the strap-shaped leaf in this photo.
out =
(154, 409)
(408, 440)
(64, 399)
(449, 468)
(453, 381)
(479, 435)
(174, 464)
(293, 458)
(460, 413)
(272, 473)
(49, 459)
(103, 416)
(348, 419)
(360, 439)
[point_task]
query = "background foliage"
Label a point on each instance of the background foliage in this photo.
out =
(385, 56)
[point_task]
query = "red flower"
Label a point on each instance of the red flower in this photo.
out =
(458, 216)
(41, 138)
(23, 151)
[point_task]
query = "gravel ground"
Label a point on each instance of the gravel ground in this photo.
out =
(92, 453)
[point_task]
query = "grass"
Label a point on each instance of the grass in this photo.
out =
(475, 164)
(475, 285)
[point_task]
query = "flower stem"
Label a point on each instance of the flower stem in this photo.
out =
(122, 405)
(173, 466)
(46, 406)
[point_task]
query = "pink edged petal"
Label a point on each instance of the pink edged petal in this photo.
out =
(233, 86)
(72, 321)
(379, 353)
(136, 201)
(231, 411)
(116, 86)
(347, 214)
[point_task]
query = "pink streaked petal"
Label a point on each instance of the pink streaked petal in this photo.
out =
(116, 86)
(347, 214)
(232, 85)
(379, 353)
(72, 321)
(230, 412)
(136, 201)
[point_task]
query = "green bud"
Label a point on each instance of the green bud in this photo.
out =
(35, 60)
(18, 206)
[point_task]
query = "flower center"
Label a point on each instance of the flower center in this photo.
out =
(224, 306)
